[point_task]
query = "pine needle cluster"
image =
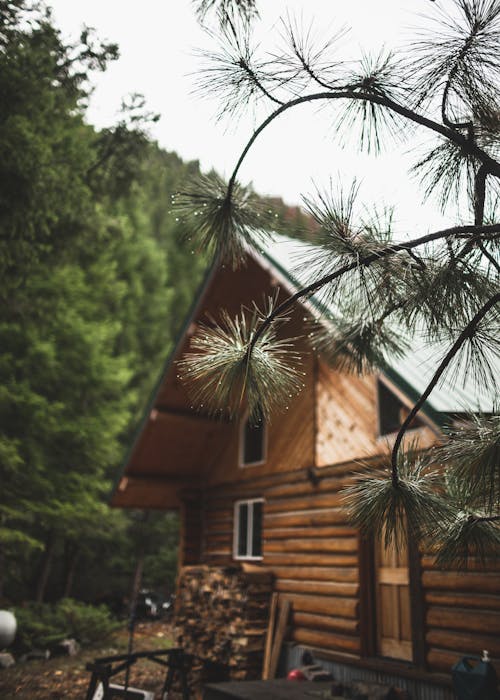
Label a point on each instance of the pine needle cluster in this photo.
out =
(226, 372)
(224, 222)
(397, 509)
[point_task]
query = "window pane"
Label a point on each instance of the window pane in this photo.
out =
(257, 530)
(389, 407)
(253, 445)
(242, 529)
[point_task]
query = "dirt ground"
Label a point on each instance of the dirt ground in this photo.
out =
(66, 677)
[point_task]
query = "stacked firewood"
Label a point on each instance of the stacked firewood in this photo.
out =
(221, 618)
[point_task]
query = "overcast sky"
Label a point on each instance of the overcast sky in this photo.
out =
(158, 39)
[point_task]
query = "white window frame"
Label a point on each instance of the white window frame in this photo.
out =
(236, 529)
(241, 442)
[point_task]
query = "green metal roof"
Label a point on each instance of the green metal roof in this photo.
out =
(457, 393)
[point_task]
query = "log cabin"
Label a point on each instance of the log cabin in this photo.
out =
(270, 496)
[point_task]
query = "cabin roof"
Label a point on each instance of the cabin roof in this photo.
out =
(413, 371)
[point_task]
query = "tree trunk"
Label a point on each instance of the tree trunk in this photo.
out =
(139, 565)
(45, 567)
(72, 556)
(137, 578)
(2, 573)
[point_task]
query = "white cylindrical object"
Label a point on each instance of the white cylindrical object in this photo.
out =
(8, 627)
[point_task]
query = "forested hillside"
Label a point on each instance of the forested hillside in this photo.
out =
(95, 278)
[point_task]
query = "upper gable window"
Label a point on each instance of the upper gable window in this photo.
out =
(391, 411)
(253, 438)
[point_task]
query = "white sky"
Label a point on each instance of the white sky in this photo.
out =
(157, 40)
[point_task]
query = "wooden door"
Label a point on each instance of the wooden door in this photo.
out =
(392, 596)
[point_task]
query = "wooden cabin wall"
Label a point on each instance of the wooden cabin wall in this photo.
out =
(347, 425)
(316, 559)
(308, 545)
(462, 612)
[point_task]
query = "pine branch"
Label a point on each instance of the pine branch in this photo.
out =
(454, 232)
(471, 148)
(467, 333)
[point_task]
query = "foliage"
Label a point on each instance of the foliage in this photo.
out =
(380, 294)
(93, 285)
(220, 373)
(42, 625)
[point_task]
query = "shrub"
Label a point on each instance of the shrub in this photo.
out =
(41, 625)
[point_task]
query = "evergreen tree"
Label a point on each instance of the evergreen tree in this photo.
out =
(442, 285)
(88, 287)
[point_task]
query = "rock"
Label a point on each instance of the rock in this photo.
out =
(36, 655)
(6, 660)
(68, 647)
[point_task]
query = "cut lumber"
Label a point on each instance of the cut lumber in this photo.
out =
(270, 635)
(284, 612)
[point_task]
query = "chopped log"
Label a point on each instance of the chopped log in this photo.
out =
(221, 619)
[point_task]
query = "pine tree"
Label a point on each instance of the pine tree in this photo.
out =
(442, 285)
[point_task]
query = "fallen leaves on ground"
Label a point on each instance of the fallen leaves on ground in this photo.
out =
(65, 678)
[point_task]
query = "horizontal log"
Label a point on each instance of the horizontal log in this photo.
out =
(306, 518)
(461, 581)
(462, 600)
(288, 559)
(324, 605)
(444, 660)
(218, 560)
(325, 622)
(462, 619)
(220, 516)
(464, 642)
(318, 573)
(341, 544)
(325, 640)
(323, 485)
(324, 500)
(318, 587)
(263, 482)
(218, 552)
(473, 565)
(279, 533)
(220, 538)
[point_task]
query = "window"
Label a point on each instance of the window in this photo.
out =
(248, 529)
(391, 411)
(252, 442)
